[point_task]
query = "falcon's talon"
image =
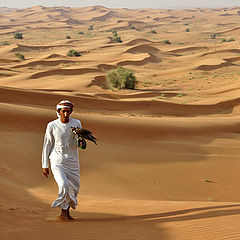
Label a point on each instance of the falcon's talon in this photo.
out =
(82, 135)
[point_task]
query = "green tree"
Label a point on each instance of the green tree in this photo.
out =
(18, 35)
(90, 28)
(166, 41)
(73, 53)
(231, 39)
(114, 32)
(20, 56)
(121, 78)
(153, 32)
(5, 43)
(213, 36)
(117, 39)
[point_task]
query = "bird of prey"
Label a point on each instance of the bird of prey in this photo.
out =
(82, 135)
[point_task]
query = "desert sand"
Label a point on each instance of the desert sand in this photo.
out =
(167, 161)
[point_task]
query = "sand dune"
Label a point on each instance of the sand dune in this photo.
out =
(43, 63)
(188, 49)
(25, 48)
(138, 41)
(146, 94)
(158, 108)
(211, 67)
(7, 69)
(100, 81)
(143, 48)
(166, 164)
(104, 17)
(55, 56)
(63, 72)
(152, 176)
(229, 30)
(150, 59)
(228, 51)
(106, 67)
(5, 9)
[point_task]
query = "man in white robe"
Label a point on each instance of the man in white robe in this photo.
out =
(60, 146)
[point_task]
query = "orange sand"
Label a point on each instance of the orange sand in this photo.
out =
(166, 166)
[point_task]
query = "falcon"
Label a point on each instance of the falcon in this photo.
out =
(82, 135)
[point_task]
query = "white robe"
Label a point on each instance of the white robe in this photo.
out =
(60, 146)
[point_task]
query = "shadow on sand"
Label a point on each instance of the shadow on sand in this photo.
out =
(205, 212)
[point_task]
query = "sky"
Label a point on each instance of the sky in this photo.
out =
(121, 3)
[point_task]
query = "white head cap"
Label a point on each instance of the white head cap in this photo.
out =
(64, 104)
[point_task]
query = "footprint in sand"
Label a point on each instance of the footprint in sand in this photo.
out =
(57, 219)
(6, 169)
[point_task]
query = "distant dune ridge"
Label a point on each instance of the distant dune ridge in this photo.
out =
(167, 162)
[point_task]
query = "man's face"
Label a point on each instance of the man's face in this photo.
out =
(65, 114)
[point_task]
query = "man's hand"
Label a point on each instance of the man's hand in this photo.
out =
(45, 172)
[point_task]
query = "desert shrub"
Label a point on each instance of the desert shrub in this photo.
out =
(132, 27)
(121, 78)
(114, 32)
(68, 37)
(153, 32)
(5, 43)
(228, 40)
(90, 28)
(20, 56)
(180, 95)
(18, 35)
(73, 53)
(117, 39)
(231, 39)
(90, 35)
(187, 30)
(81, 33)
(109, 30)
(213, 36)
(186, 24)
(166, 41)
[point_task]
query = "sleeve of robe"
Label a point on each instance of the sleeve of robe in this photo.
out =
(79, 124)
(47, 147)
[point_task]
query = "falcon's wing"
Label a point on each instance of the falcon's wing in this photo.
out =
(86, 134)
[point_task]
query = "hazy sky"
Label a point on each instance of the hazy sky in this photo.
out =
(121, 3)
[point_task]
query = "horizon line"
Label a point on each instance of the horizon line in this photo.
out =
(170, 8)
